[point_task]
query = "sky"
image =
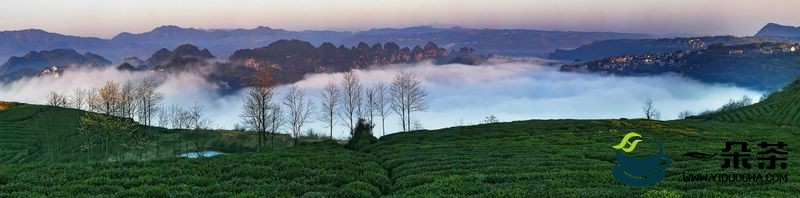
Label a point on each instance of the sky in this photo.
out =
(106, 18)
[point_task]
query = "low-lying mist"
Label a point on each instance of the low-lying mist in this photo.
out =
(458, 94)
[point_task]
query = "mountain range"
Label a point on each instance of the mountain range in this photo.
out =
(773, 33)
(262, 47)
(760, 66)
(288, 60)
(617, 47)
(224, 42)
(507, 42)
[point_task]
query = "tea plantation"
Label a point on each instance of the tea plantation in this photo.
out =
(781, 108)
(34, 133)
(313, 171)
(571, 158)
(535, 158)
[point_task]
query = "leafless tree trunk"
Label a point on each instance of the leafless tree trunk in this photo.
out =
(381, 101)
(407, 95)
(276, 122)
(371, 94)
(257, 104)
(330, 102)
(351, 100)
(298, 110)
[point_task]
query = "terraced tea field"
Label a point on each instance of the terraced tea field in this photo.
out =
(34, 133)
(538, 158)
(321, 170)
(570, 158)
(781, 108)
(25, 138)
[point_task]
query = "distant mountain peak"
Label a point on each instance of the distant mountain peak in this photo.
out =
(31, 30)
(167, 28)
(778, 30)
(180, 56)
(263, 28)
(771, 24)
(35, 61)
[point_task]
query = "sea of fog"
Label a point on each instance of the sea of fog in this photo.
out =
(458, 94)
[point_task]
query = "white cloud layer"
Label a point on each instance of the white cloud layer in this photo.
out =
(457, 93)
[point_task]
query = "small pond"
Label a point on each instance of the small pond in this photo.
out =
(196, 154)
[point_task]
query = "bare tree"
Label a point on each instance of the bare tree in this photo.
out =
(381, 101)
(189, 118)
(148, 100)
(416, 125)
(79, 98)
(178, 116)
(109, 97)
(351, 100)
(407, 96)
(685, 114)
(196, 120)
(490, 119)
(650, 111)
(57, 99)
(276, 121)
(330, 102)
(164, 117)
(257, 104)
(370, 103)
(127, 99)
(93, 101)
(298, 110)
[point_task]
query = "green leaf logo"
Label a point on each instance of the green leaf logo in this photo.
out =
(625, 141)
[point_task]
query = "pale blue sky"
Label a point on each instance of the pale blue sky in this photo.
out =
(105, 18)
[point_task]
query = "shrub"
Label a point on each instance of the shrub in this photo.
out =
(362, 136)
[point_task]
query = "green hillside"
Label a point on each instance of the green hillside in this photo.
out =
(27, 133)
(781, 108)
(36, 133)
(566, 158)
(313, 171)
(539, 158)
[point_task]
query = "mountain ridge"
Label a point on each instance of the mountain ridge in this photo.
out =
(35, 61)
(778, 30)
(761, 66)
(223, 42)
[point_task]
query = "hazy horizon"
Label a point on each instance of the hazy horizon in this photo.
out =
(102, 18)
